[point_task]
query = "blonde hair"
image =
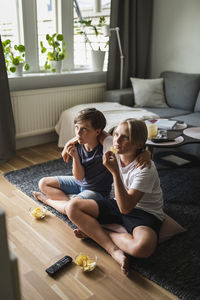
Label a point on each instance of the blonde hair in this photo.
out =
(137, 131)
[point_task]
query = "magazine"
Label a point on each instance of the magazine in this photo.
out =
(165, 123)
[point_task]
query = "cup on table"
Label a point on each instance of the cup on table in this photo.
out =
(152, 131)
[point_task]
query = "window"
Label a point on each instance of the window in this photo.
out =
(46, 23)
(28, 22)
(10, 26)
(82, 50)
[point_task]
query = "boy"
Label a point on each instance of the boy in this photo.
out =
(90, 178)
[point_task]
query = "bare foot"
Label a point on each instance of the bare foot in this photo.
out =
(40, 196)
(79, 234)
(123, 260)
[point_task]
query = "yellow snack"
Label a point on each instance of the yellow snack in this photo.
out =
(81, 259)
(113, 150)
(38, 213)
(85, 262)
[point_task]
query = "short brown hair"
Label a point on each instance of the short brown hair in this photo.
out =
(96, 117)
(137, 131)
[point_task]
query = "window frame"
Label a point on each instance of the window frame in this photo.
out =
(65, 25)
(34, 78)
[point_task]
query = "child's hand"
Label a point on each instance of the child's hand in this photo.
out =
(110, 161)
(72, 150)
(65, 155)
(143, 159)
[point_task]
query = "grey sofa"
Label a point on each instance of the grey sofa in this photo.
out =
(182, 95)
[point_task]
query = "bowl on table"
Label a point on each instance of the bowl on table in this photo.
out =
(86, 261)
(38, 212)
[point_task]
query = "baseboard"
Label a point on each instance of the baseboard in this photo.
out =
(36, 140)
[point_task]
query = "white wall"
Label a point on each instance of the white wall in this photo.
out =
(176, 36)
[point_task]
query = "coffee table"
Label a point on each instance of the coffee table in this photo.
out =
(188, 135)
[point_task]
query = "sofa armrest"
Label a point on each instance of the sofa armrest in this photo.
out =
(123, 96)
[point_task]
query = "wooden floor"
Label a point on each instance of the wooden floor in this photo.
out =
(38, 244)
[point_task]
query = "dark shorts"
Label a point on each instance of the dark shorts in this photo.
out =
(109, 213)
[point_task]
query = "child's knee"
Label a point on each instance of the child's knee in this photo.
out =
(42, 183)
(73, 207)
(46, 182)
(141, 249)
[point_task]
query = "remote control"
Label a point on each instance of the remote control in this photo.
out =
(59, 265)
(162, 140)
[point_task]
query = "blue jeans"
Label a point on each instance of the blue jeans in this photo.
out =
(69, 186)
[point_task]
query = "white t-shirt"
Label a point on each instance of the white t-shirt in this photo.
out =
(145, 180)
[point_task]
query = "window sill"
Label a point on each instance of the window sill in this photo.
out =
(46, 80)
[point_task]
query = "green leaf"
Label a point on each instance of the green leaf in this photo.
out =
(60, 37)
(12, 69)
(8, 42)
(54, 55)
(61, 56)
(26, 67)
(102, 21)
(50, 56)
(56, 44)
(47, 65)
(21, 48)
(16, 61)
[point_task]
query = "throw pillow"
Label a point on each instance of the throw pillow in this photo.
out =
(169, 228)
(148, 92)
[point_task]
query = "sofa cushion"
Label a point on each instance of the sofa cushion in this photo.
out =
(123, 96)
(168, 112)
(197, 105)
(181, 89)
(190, 119)
(148, 92)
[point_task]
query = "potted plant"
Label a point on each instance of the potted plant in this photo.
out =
(15, 58)
(54, 57)
(85, 27)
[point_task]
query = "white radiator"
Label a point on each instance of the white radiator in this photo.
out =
(37, 111)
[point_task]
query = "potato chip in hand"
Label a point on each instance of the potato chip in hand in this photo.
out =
(113, 150)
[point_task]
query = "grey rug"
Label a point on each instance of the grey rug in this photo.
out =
(176, 263)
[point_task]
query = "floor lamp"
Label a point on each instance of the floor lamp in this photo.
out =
(107, 32)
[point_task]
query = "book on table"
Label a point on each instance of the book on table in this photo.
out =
(165, 124)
